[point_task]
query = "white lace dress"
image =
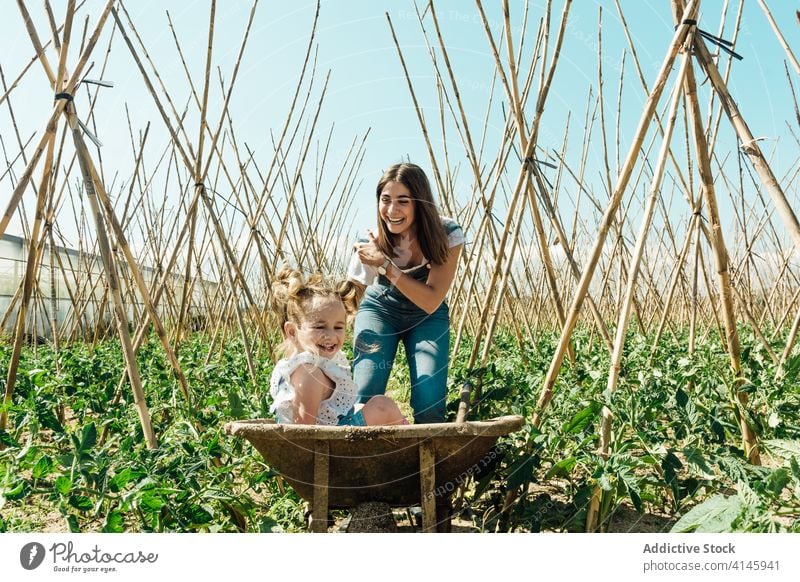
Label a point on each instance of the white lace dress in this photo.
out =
(336, 368)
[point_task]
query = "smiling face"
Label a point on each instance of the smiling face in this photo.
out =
(396, 208)
(321, 329)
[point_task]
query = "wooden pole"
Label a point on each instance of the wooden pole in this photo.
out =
(720, 256)
(749, 143)
(113, 282)
(608, 217)
(27, 289)
(594, 515)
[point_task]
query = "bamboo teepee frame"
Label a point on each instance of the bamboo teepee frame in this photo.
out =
(499, 286)
(125, 288)
(530, 211)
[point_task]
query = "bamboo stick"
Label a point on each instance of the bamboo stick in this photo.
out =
(781, 39)
(594, 515)
(622, 182)
(113, 283)
(720, 256)
(19, 330)
(749, 143)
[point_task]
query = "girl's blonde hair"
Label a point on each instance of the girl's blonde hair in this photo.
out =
(291, 290)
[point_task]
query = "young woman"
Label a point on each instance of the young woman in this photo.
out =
(406, 266)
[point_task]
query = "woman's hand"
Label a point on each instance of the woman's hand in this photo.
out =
(369, 253)
(429, 295)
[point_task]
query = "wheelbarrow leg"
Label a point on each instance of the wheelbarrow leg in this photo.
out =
(319, 504)
(444, 515)
(427, 478)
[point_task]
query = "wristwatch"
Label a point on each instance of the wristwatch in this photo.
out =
(384, 266)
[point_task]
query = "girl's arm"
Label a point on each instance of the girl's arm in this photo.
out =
(311, 387)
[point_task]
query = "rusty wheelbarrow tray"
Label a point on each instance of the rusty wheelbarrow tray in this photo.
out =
(342, 466)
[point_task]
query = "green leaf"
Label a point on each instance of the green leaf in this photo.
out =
(120, 480)
(795, 468)
(63, 484)
(695, 459)
(483, 485)
(582, 419)
(48, 420)
(783, 448)
(522, 471)
(681, 397)
(6, 440)
(66, 460)
(80, 502)
(632, 486)
(269, 525)
(114, 522)
(37, 376)
(261, 477)
(16, 490)
(213, 447)
(145, 484)
(671, 464)
(636, 499)
(235, 404)
(43, 467)
(692, 414)
(715, 515)
(562, 469)
(88, 437)
(778, 480)
(718, 430)
(734, 468)
(198, 515)
(747, 387)
(72, 523)
(152, 502)
(791, 369)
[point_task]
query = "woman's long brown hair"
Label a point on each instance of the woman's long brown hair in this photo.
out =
(430, 231)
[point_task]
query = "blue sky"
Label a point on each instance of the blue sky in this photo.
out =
(368, 91)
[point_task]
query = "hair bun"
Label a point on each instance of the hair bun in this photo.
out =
(290, 288)
(287, 285)
(351, 294)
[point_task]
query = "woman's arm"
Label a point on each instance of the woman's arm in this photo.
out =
(427, 296)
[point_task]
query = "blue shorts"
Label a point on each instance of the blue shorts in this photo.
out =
(352, 419)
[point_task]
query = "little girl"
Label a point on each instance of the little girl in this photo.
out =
(312, 383)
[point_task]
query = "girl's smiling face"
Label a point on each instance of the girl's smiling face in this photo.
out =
(322, 328)
(396, 208)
